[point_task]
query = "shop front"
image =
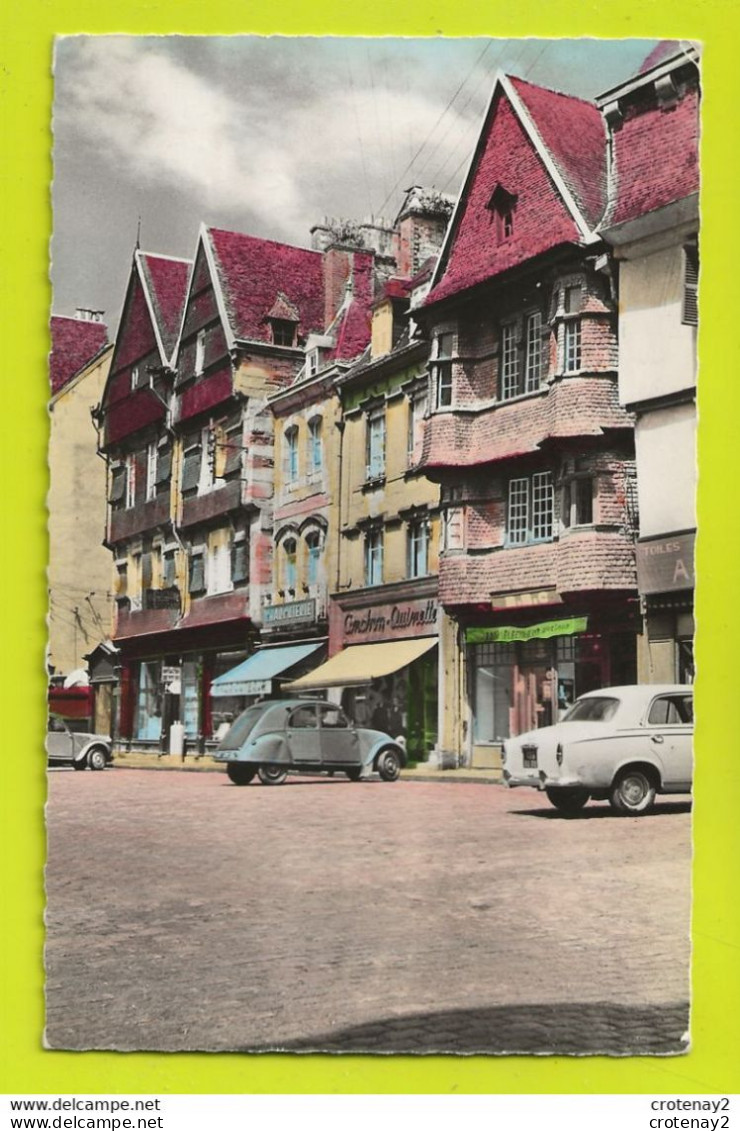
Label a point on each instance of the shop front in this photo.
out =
(665, 579)
(385, 669)
(260, 676)
(524, 676)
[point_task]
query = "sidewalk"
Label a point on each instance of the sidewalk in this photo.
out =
(424, 772)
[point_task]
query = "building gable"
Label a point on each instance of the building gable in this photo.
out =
(515, 203)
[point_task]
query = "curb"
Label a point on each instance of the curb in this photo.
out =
(448, 777)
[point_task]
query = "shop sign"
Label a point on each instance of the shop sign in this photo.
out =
(526, 600)
(389, 622)
(666, 564)
(507, 634)
(294, 612)
(171, 673)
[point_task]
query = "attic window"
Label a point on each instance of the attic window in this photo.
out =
(502, 203)
(283, 332)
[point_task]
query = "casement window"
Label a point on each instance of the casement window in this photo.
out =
(218, 567)
(290, 559)
(375, 444)
(121, 581)
(196, 572)
(130, 465)
(134, 581)
(418, 548)
(119, 479)
(315, 445)
(502, 204)
(200, 352)
(533, 352)
(283, 332)
(191, 463)
(312, 362)
(164, 464)
(135, 371)
(374, 556)
(509, 362)
(572, 303)
(453, 528)
(442, 370)
(240, 561)
(290, 454)
(313, 557)
(418, 404)
(578, 502)
(151, 470)
(690, 313)
(530, 509)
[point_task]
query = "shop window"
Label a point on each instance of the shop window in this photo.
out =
(148, 722)
(533, 352)
(509, 362)
(315, 445)
(290, 454)
(375, 444)
(578, 502)
(418, 404)
(374, 557)
(690, 314)
(418, 548)
(530, 509)
(442, 369)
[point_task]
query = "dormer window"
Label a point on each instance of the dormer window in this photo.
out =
(312, 362)
(503, 203)
(200, 352)
(283, 332)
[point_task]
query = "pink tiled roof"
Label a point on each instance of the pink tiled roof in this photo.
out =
(251, 272)
(166, 281)
(656, 155)
(574, 134)
(284, 309)
(74, 343)
(577, 406)
(508, 158)
(662, 51)
(352, 332)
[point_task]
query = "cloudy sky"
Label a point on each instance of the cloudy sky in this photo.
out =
(267, 135)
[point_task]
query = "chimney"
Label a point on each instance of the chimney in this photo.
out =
(420, 228)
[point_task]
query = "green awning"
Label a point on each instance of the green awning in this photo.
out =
(507, 634)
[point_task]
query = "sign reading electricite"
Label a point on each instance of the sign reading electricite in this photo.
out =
(666, 564)
(507, 634)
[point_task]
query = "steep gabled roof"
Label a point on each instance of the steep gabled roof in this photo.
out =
(544, 151)
(74, 343)
(574, 135)
(249, 274)
(165, 283)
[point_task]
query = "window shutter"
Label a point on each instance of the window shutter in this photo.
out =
(164, 465)
(690, 285)
(197, 574)
(191, 469)
(239, 562)
(118, 485)
(232, 451)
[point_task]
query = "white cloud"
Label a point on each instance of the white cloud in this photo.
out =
(162, 123)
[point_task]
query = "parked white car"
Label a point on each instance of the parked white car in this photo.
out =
(624, 744)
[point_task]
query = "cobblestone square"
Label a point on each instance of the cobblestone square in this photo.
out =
(414, 917)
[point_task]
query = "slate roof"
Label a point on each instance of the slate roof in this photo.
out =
(74, 343)
(166, 282)
(253, 272)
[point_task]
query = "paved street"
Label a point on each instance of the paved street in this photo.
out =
(185, 913)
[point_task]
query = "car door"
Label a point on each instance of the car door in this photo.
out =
(302, 732)
(59, 742)
(670, 728)
(340, 745)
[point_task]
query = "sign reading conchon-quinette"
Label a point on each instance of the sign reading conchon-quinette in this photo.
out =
(390, 621)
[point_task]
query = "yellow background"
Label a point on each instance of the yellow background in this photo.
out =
(25, 173)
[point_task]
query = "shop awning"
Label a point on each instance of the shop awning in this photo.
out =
(254, 675)
(362, 662)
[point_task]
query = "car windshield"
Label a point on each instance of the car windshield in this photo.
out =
(594, 709)
(240, 728)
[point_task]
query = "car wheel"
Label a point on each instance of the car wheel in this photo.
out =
(389, 765)
(633, 793)
(568, 801)
(272, 775)
(355, 773)
(80, 764)
(97, 758)
(239, 774)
